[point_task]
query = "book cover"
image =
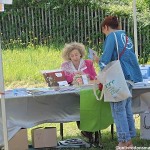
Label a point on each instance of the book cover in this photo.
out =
(54, 77)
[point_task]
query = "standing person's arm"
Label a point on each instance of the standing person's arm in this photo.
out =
(108, 50)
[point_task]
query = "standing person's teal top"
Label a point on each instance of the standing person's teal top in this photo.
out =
(128, 60)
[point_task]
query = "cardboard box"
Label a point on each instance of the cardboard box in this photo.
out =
(19, 141)
(44, 137)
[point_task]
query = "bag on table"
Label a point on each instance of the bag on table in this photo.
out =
(115, 87)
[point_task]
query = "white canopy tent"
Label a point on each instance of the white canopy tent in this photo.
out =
(2, 89)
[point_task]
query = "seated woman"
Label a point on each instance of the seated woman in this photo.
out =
(74, 65)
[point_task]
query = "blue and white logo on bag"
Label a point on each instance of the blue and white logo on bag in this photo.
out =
(112, 89)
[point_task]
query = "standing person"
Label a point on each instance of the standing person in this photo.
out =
(121, 111)
(73, 55)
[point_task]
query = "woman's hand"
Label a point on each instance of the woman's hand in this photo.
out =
(96, 59)
(79, 73)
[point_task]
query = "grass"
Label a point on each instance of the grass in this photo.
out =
(71, 131)
(22, 69)
(25, 65)
(22, 66)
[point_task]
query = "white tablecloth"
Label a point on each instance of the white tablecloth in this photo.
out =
(25, 111)
(141, 99)
(30, 110)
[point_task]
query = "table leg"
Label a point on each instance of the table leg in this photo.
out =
(61, 131)
(112, 131)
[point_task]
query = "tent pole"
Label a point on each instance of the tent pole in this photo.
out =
(135, 28)
(2, 97)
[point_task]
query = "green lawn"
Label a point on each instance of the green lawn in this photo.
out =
(71, 131)
(22, 66)
(22, 69)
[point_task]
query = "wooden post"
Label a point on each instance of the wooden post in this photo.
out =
(2, 89)
(2, 97)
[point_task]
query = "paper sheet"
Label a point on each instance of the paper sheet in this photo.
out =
(91, 53)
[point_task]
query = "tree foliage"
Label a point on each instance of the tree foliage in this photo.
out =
(122, 8)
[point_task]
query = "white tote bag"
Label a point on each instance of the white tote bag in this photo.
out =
(115, 87)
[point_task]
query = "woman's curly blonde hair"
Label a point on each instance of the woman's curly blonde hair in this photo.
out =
(70, 47)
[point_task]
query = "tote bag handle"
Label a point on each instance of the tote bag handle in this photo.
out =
(119, 55)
